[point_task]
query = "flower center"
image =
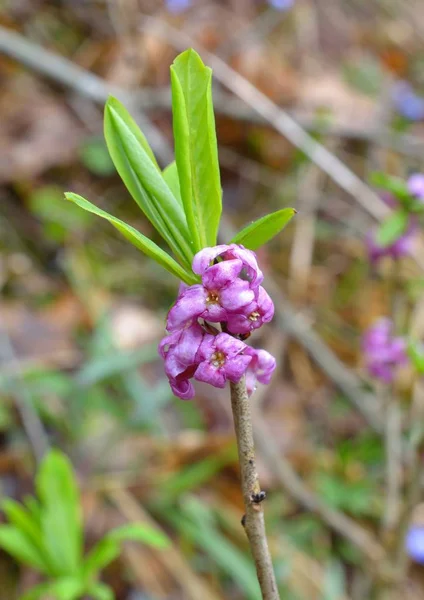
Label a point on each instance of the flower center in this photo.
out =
(254, 316)
(212, 298)
(218, 359)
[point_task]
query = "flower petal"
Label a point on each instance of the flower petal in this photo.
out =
(236, 367)
(236, 295)
(183, 389)
(229, 345)
(203, 259)
(221, 274)
(248, 257)
(210, 374)
(188, 306)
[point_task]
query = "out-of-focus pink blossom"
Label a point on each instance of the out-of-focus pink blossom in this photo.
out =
(383, 351)
(401, 247)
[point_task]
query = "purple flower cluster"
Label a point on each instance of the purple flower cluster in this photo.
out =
(400, 247)
(230, 293)
(383, 351)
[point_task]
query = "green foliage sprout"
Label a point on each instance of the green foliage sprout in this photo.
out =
(46, 533)
(184, 201)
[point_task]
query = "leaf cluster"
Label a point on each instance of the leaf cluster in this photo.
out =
(46, 533)
(183, 202)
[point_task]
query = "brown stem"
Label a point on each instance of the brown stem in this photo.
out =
(253, 521)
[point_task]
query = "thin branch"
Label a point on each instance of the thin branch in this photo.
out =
(280, 120)
(65, 72)
(253, 520)
(31, 422)
(292, 483)
(393, 442)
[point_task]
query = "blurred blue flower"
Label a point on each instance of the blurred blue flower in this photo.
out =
(281, 4)
(414, 543)
(177, 6)
(416, 186)
(407, 102)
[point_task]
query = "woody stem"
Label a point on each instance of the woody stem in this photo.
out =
(253, 521)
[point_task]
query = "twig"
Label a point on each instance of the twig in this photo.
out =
(253, 520)
(280, 120)
(193, 587)
(394, 463)
(64, 71)
(414, 486)
(340, 523)
(30, 421)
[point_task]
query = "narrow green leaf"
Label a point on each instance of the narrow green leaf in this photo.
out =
(170, 174)
(144, 180)
(100, 591)
(102, 554)
(140, 532)
(416, 354)
(67, 588)
(16, 543)
(61, 519)
(28, 525)
(39, 592)
(196, 147)
(392, 228)
(395, 185)
(139, 240)
(264, 229)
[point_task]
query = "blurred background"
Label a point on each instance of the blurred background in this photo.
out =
(82, 311)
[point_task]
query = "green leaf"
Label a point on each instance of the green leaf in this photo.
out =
(28, 525)
(170, 174)
(100, 591)
(261, 231)
(397, 186)
(139, 240)
(416, 354)
(61, 519)
(67, 588)
(143, 179)
(16, 543)
(196, 147)
(140, 532)
(101, 555)
(392, 228)
(39, 592)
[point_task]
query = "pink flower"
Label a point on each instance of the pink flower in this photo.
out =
(203, 259)
(220, 358)
(383, 352)
(221, 291)
(253, 315)
(179, 351)
(260, 369)
(401, 247)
